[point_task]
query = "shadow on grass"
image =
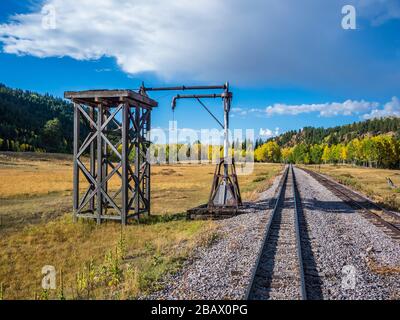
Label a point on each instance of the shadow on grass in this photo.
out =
(154, 219)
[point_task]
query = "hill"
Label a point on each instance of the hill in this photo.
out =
(33, 122)
(340, 134)
(369, 143)
(42, 123)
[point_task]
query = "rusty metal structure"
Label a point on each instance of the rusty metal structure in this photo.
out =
(112, 127)
(225, 194)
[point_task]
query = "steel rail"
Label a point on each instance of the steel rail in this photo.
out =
(365, 199)
(348, 193)
(296, 200)
(297, 203)
(276, 207)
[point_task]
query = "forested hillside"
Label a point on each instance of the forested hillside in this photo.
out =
(369, 143)
(42, 123)
(340, 134)
(33, 122)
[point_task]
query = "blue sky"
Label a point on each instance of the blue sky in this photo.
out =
(290, 65)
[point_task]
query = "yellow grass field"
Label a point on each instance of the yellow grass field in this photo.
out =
(370, 181)
(105, 261)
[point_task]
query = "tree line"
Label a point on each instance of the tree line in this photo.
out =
(42, 123)
(33, 122)
(373, 143)
(381, 151)
(340, 134)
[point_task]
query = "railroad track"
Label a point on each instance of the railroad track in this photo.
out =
(279, 272)
(388, 221)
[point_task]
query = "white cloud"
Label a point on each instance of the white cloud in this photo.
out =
(239, 111)
(103, 70)
(208, 40)
(390, 109)
(378, 12)
(267, 133)
(346, 108)
(364, 109)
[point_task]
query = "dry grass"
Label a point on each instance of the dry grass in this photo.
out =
(45, 186)
(99, 261)
(372, 182)
(375, 267)
(21, 177)
(187, 186)
(150, 250)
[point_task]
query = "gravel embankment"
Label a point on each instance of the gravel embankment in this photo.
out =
(223, 271)
(335, 238)
(339, 237)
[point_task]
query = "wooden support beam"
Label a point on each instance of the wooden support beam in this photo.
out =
(118, 95)
(137, 158)
(76, 168)
(92, 156)
(99, 164)
(125, 159)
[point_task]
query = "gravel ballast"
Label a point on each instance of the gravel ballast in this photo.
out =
(344, 243)
(346, 256)
(224, 270)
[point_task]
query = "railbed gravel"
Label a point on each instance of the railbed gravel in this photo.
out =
(339, 237)
(223, 270)
(335, 236)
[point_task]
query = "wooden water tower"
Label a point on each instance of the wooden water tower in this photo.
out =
(112, 127)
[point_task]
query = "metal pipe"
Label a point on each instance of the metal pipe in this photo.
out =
(227, 97)
(183, 88)
(227, 107)
(194, 96)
